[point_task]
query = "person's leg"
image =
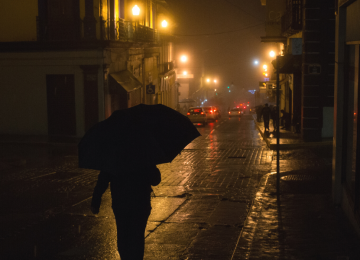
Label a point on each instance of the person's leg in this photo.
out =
(130, 234)
(266, 123)
(274, 124)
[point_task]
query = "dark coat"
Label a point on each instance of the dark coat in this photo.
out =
(266, 112)
(130, 189)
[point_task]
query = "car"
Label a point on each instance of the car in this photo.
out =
(217, 112)
(211, 113)
(235, 112)
(197, 115)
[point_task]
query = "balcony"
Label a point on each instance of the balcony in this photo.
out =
(167, 66)
(123, 31)
(128, 31)
(291, 21)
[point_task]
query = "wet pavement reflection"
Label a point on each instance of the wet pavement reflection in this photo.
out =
(216, 200)
(205, 193)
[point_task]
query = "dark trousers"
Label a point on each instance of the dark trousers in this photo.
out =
(130, 233)
(275, 124)
(266, 123)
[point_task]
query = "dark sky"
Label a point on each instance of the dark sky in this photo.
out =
(224, 34)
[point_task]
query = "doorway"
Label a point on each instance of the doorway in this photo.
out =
(61, 105)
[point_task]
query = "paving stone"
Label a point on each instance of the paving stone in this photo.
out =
(216, 200)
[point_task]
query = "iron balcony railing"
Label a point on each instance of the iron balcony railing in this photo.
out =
(126, 31)
(135, 32)
(291, 21)
(167, 66)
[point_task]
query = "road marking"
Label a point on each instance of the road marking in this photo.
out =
(81, 201)
(33, 178)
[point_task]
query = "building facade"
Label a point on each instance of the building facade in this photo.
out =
(66, 65)
(304, 29)
(346, 144)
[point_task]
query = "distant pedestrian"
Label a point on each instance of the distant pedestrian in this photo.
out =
(286, 120)
(266, 113)
(275, 116)
(131, 193)
(258, 112)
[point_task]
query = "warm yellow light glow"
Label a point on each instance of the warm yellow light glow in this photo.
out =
(207, 80)
(164, 23)
(266, 74)
(136, 10)
(215, 80)
(272, 54)
(265, 66)
(183, 58)
(185, 72)
(215, 89)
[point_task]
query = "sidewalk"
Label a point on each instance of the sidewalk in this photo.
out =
(288, 139)
(300, 222)
(38, 140)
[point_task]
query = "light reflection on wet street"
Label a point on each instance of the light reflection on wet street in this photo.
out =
(198, 212)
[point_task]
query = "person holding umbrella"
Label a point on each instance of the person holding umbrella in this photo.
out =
(130, 193)
(126, 147)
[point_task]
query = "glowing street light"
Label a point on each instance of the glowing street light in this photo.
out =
(215, 80)
(164, 23)
(183, 58)
(185, 73)
(136, 10)
(256, 62)
(264, 66)
(207, 80)
(272, 54)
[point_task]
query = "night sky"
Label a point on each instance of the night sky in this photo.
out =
(224, 35)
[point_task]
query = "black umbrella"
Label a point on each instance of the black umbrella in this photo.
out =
(143, 134)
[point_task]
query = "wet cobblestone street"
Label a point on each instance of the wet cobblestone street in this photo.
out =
(216, 200)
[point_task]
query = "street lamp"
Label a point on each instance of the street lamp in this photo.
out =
(183, 58)
(207, 80)
(136, 10)
(272, 54)
(164, 24)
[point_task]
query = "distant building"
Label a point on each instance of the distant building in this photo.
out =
(66, 65)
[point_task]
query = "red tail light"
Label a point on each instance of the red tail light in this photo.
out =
(202, 113)
(244, 107)
(229, 112)
(214, 110)
(188, 113)
(210, 111)
(239, 112)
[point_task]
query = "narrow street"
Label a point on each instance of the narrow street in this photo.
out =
(199, 208)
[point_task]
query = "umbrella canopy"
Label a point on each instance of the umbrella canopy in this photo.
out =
(143, 134)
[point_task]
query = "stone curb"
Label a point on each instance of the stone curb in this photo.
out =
(290, 146)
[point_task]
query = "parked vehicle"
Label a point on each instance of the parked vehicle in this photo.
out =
(235, 112)
(197, 115)
(211, 113)
(217, 112)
